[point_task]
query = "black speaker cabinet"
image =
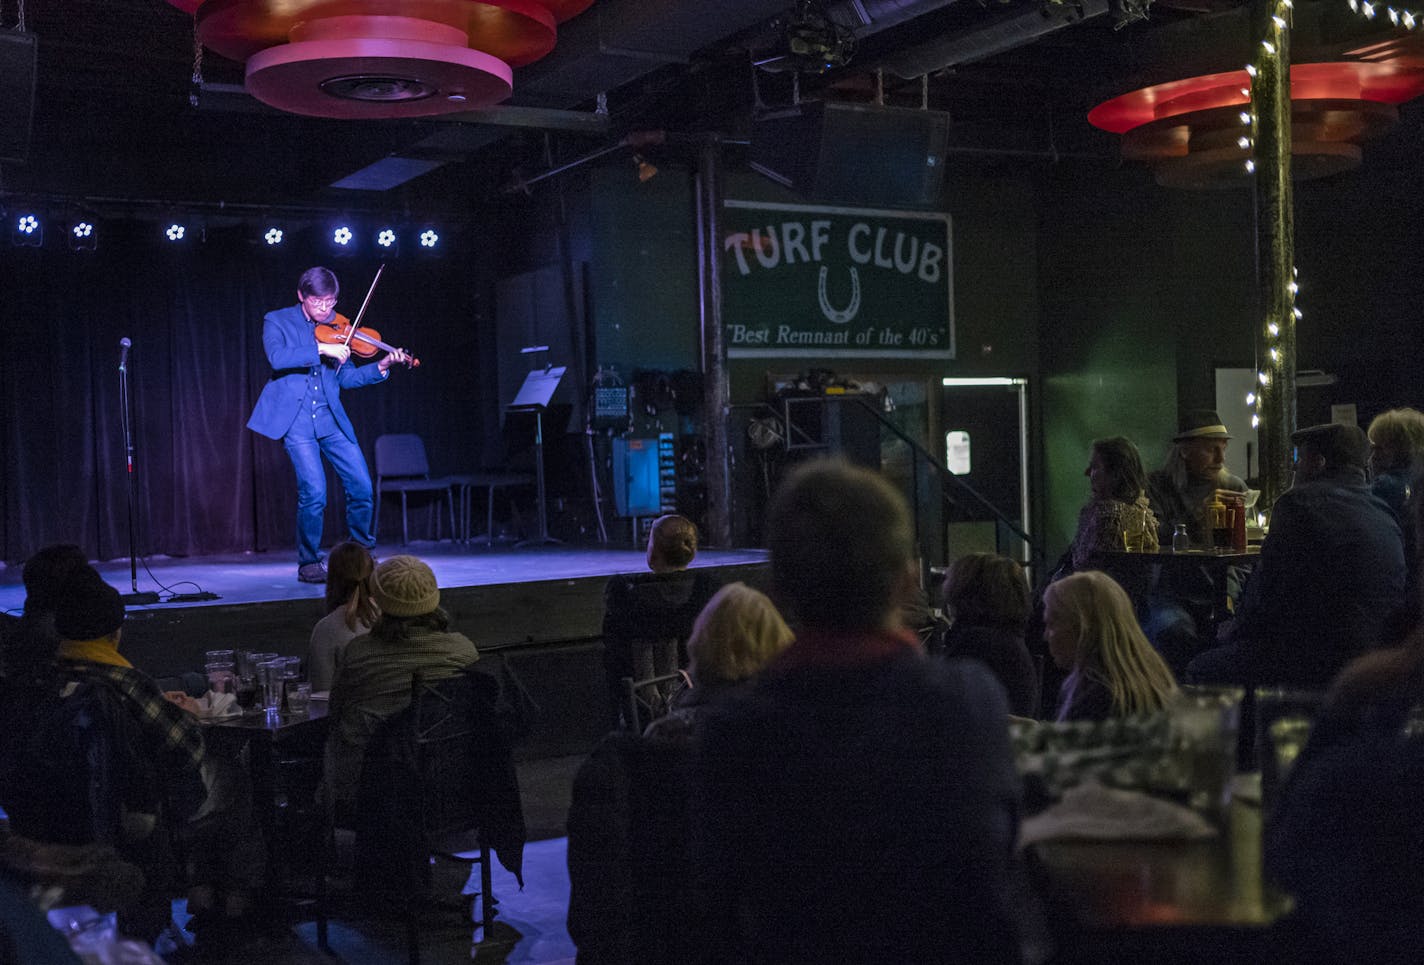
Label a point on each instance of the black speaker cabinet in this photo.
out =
(891, 157)
(17, 93)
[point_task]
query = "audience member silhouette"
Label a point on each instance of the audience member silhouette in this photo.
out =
(987, 597)
(1330, 576)
(630, 879)
(859, 803)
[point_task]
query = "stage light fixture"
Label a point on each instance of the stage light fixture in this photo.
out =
(386, 238)
(342, 236)
(175, 231)
(429, 239)
(83, 235)
(27, 231)
(273, 236)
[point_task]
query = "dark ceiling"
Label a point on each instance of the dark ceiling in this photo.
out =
(118, 116)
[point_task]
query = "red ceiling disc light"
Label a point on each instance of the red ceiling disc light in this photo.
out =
(380, 58)
(1190, 130)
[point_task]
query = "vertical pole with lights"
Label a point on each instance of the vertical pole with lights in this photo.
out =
(1269, 129)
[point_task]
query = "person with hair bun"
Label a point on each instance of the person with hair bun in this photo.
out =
(351, 610)
(647, 616)
(1092, 632)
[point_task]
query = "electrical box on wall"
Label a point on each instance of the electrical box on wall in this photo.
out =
(636, 477)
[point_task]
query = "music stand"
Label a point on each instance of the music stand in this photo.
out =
(534, 396)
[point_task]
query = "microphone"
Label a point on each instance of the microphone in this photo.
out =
(124, 345)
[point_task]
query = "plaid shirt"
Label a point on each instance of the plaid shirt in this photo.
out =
(170, 738)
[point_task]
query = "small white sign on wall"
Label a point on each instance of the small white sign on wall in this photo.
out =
(1233, 388)
(1345, 414)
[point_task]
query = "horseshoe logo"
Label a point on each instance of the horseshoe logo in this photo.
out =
(840, 316)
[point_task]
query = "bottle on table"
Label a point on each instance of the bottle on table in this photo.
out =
(1181, 539)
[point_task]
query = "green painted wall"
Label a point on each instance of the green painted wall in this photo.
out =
(1145, 292)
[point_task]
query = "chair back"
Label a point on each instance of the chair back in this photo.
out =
(401, 454)
(644, 701)
(439, 777)
(62, 765)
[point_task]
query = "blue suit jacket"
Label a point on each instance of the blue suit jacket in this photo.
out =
(288, 337)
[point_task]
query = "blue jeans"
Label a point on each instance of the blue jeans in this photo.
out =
(350, 465)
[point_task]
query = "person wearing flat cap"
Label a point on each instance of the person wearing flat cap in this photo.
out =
(1330, 576)
(373, 683)
(1179, 623)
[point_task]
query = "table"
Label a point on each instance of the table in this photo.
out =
(1162, 901)
(265, 735)
(1139, 568)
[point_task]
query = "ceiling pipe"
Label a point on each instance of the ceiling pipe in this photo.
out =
(866, 17)
(634, 139)
(1020, 28)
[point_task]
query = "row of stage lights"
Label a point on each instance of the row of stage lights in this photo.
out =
(27, 229)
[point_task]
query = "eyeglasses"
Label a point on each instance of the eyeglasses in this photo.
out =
(323, 303)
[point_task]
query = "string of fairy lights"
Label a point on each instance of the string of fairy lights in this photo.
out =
(1270, 48)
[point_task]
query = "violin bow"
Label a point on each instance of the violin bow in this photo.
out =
(356, 322)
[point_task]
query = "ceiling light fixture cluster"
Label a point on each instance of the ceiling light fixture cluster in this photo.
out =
(176, 227)
(397, 58)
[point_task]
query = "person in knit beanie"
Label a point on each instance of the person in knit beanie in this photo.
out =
(373, 682)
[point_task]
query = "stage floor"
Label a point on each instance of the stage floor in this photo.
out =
(272, 577)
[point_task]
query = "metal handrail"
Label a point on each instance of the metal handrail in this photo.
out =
(944, 473)
(947, 479)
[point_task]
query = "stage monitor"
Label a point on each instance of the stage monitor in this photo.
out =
(858, 154)
(17, 93)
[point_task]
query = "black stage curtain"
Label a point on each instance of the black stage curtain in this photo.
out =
(204, 483)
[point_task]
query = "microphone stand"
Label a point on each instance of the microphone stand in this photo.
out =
(135, 597)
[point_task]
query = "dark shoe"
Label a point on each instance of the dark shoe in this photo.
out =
(312, 572)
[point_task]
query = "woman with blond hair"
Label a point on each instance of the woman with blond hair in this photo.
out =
(737, 634)
(1396, 456)
(1092, 633)
(350, 611)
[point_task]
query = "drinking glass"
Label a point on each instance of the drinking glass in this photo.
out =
(1284, 719)
(1205, 721)
(246, 691)
(221, 677)
(221, 656)
(298, 697)
(271, 671)
(246, 664)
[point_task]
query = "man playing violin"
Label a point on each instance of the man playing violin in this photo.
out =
(301, 406)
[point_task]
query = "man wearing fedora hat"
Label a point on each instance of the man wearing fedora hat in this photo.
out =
(1179, 621)
(1194, 470)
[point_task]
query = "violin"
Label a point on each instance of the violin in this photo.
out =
(365, 342)
(362, 340)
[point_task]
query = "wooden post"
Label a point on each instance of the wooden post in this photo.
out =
(716, 391)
